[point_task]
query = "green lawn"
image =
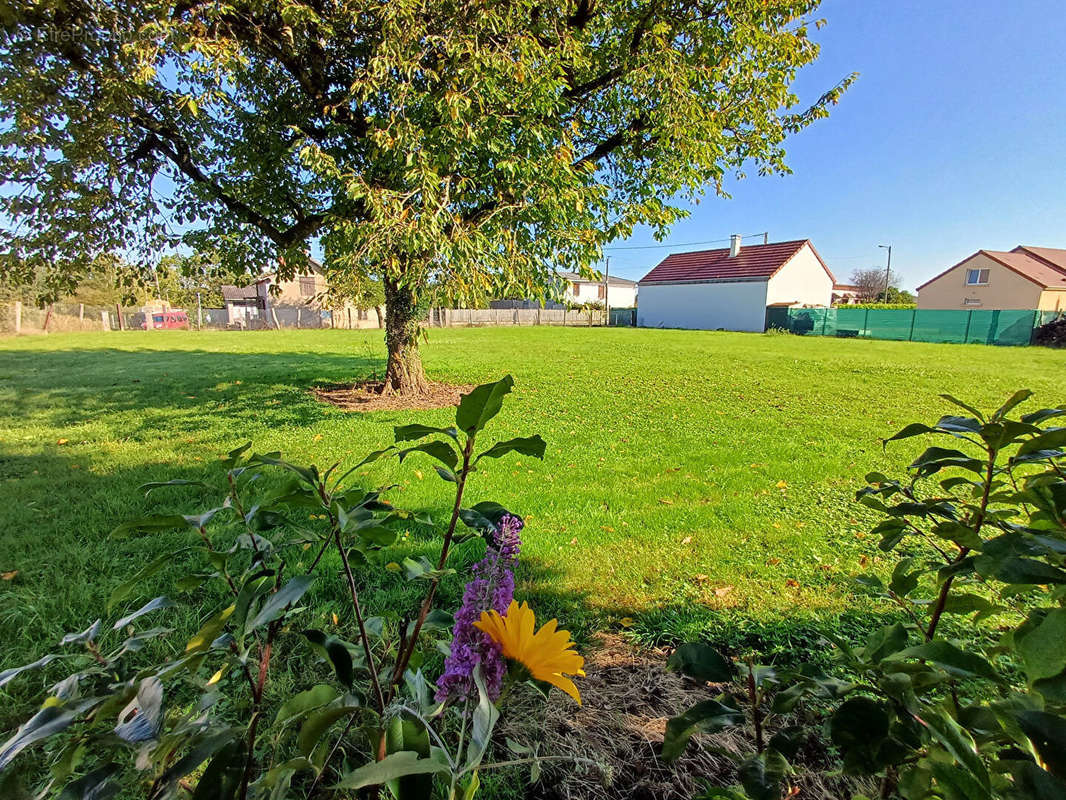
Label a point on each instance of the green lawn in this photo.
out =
(694, 481)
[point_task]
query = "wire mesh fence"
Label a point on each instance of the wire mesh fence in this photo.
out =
(1006, 327)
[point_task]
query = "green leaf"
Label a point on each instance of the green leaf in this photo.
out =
(1054, 439)
(300, 704)
(95, 785)
(1025, 570)
(152, 522)
(859, 727)
(914, 429)
(124, 590)
(318, 723)
(337, 652)
(762, 775)
(222, 778)
(210, 631)
(953, 783)
(405, 433)
(482, 404)
(950, 658)
(702, 662)
(1043, 647)
(934, 459)
(48, 721)
(405, 733)
(439, 450)
(525, 445)
(1016, 399)
(396, 765)
(710, 716)
(1047, 732)
(9, 675)
(151, 605)
(482, 724)
(148, 488)
(958, 742)
(884, 642)
(961, 404)
(278, 602)
(484, 517)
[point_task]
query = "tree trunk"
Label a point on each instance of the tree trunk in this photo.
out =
(404, 374)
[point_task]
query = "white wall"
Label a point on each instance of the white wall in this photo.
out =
(735, 306)
(802, 280)
(622, 296)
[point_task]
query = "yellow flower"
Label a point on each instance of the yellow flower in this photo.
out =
(546, 654)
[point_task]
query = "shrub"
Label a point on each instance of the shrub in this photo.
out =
(212, 721)
(978, 529)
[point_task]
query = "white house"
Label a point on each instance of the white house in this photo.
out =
(618, 292)
(732, 287)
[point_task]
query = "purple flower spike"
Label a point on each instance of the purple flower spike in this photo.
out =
(492, 587)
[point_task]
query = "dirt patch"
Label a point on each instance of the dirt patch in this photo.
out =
(369, 396)
(628, 696)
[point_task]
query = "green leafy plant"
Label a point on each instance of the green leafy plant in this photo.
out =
(962, 711)
(212, 720)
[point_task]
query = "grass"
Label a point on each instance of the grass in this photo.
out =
(695, 482)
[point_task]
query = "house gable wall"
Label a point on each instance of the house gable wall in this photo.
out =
(802, 279)
(1006, 289)
(731, 305)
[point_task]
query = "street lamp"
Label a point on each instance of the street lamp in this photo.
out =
(888, 267)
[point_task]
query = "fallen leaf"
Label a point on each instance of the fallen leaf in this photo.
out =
(336, 619)
(722, 591)
(792, 583)
(627, 622)
(781, 485)
(686, 540)
(607, 528)
(317, 437)
(773, 562)
(9, 576)
(418, 474)
(392, 566)
(62, 441)
(666, 501)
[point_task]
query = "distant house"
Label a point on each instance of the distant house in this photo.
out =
(1023, 278)
(578, 290)
(731, 288)
(269, 303)
(618, 292)
(846, 294)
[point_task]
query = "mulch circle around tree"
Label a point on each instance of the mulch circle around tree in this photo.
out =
(369, 396)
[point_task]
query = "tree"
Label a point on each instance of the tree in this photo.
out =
(871, 283)
(429, 142)
(182, 277)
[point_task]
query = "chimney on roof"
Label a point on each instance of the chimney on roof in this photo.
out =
(734, 245)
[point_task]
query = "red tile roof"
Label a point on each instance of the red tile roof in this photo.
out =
(1044, 266)
(757, 262)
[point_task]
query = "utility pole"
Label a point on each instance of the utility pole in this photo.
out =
(606, 290)
(888, 267)
(199, 313)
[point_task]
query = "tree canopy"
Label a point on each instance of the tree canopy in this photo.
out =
(466, 144)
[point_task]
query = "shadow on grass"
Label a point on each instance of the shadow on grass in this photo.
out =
(183, 389)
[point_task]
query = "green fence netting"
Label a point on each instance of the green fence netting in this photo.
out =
(913, 325)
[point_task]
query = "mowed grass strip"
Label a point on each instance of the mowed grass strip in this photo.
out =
(695, 482)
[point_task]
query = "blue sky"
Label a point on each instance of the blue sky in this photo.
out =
(953, 139)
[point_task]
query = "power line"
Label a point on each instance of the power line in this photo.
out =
(675, 244)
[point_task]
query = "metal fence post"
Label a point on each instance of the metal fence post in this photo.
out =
(105, 323)
(866, 323)
(825, 319)
(914, 316)
(969, 319)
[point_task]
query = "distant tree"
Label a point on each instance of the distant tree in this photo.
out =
(463, 143)
(871, 283)
(895, 295)
(183, 277)
(110, 280)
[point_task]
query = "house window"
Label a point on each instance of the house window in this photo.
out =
(976, 277)
(601, 291)
(307, 286)
(575, 288)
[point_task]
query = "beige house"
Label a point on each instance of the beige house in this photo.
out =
(1023, 278)
(270, 303)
